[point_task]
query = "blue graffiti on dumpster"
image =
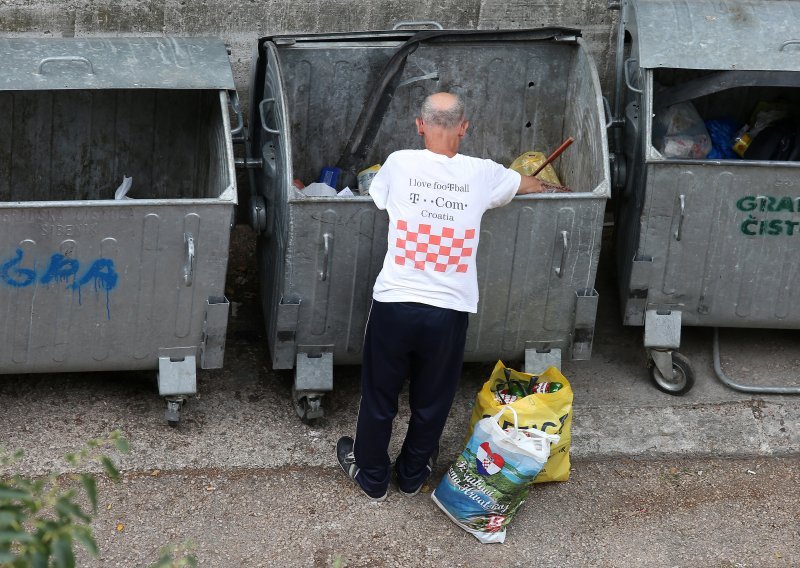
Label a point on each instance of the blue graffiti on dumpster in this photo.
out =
(101, 273)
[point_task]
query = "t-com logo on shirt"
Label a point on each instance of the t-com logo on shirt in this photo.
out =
(436, 203)
(420, 248)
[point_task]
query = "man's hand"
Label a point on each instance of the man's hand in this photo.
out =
(530, 184)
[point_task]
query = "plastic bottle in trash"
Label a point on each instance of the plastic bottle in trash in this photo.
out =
(741, 141)
(510, 391)
(516, 388)
(502, 396)
(546, 387)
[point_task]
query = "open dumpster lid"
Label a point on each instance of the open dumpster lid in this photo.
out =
(716, 34)
(429, 36)
(114, 63)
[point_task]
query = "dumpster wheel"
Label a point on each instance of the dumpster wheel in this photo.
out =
(174, 407)
(308, 406)
(682, 379)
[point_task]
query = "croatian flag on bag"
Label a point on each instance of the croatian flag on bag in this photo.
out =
(488, 463)
(489, 480)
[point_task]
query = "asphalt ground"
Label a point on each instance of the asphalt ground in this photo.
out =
(707, 479)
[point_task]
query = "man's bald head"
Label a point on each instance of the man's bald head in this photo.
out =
(443, 109)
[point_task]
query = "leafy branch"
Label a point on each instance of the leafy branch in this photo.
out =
(42, 519)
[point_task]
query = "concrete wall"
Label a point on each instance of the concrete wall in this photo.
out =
(240, 22)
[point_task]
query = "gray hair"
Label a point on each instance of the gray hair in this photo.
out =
(450, 117)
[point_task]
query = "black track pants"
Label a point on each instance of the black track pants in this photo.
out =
(426, 345)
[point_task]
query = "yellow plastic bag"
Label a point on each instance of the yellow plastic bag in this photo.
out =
(548, 412)
(527, 163)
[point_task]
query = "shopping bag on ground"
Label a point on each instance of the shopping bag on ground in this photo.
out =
(490, 480)
(550, 412)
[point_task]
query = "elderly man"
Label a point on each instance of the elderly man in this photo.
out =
(422, 297)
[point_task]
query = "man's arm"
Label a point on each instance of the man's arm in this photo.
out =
(530, 184)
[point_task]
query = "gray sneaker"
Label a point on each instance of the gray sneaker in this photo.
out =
(347, 459)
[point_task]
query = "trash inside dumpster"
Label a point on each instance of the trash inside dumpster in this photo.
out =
(116, 199)
(707, 172)
(317, 103)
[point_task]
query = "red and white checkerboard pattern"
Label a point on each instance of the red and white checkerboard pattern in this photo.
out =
(426, 250)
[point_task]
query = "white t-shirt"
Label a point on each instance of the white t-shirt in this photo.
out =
(435, 205)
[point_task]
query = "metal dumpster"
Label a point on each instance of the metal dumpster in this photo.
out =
(319, 256)
(93, 283)
(691, 244)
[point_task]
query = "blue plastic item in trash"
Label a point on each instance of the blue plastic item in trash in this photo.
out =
(330, 175)
(722, 132)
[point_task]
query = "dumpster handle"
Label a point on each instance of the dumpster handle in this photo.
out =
(188, 270)
(233, 97)
(789, 42)
(679, 230)
(627, 69)
(69, 58)
(263, 120)
(410, 23)
(326, 244)
(609, 116)
(560, 269)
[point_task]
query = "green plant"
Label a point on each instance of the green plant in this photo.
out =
(41, 519)
(176, 557)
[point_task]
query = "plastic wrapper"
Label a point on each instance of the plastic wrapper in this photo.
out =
(768, 113)
(124, 188)
(528, 162)
(364, 178)
(722, 132)
(679, 132)
(318, 189)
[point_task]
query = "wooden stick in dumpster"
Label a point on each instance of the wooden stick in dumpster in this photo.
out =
(564, 145)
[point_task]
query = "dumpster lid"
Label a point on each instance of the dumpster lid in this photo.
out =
(114, 63)
(709, 34)
(427, 35)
